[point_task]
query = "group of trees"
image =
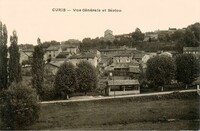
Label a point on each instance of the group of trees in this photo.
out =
(98, 43)
(70, 79)
(18, 101)
(161, 70)
(10, 69)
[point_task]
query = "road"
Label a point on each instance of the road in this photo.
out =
(91, 98)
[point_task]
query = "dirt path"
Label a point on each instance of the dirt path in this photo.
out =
(91, 98)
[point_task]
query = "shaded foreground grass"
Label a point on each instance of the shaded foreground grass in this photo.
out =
(150, 112)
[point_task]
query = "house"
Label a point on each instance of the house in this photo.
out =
(63, 55)
(26, 55)
(118, 37)
(122, 50)
(122, 87)
(122, 58)
(105, 61)
(134, 71)
(55, 50)
(191, 50)
(138, 57)
(119, 69)
(91, 58)
(51, 68)
(52, 51)
(72, 49)
(150, 36)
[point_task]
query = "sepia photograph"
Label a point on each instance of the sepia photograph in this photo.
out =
(99, 64)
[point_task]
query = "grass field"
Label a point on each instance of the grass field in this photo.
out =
(123, 113)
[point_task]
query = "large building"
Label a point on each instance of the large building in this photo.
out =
(91, 58)
(108, 36)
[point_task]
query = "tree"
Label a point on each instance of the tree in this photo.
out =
(3, 56)
(137, 35)
(189, 38)
(87, 77)
(160, 70)
(38, 68)
(187, 68)
(65, 80)
(19, 106)
(14, 65)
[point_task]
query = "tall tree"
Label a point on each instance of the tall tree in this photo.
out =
(187, 68)
(86, 77)
(137, 35)
(14, 65)
(160, 70)
(38, 68)
(65, 80)
(3, 56)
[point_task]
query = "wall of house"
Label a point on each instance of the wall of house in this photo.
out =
(112, 93)
(121, 59)
(50, 70)
(90, 60)
(52, 53)
(122, 91)
(72, 50)
(24, 56)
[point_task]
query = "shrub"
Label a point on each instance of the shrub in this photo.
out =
(19, 107)
(49, 92)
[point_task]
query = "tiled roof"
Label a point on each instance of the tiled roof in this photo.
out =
(62, 55)
(123, 82)
(140, 56)
(123, 55)
(120, 65)
(82, 56)
(28, 50)
(53, 48)
(191, 48)
(134, 69)
(54, 64)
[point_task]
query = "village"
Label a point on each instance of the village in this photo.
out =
(119, 69)
(99, 65)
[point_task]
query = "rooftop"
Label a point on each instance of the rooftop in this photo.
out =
(140, 56)
(191, 48)
(63, 55)
(134, 69)
(53, 48)
(83, 56)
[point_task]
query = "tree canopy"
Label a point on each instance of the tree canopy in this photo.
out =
(14, 65)
(19, 106)
(3, 56)
(86, 77)
(65, 80)
(187, 68)
(160, 70)
(38, 68)
(137, 35)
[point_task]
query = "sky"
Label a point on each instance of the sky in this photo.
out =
(36, 18)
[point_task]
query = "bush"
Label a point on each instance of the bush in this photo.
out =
(19, 107)
(49, 92)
